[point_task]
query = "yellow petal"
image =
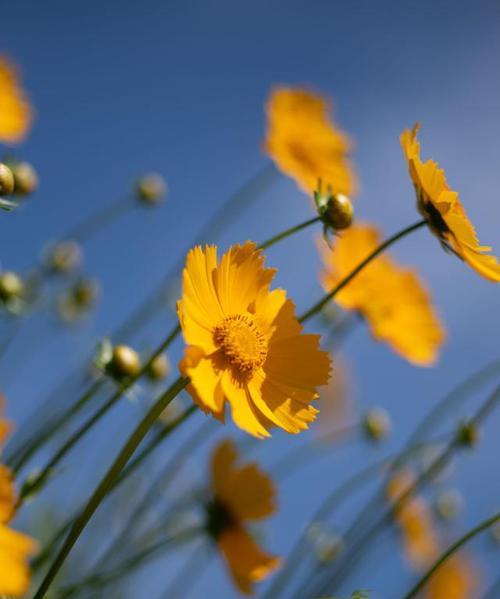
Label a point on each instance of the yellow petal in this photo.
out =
(16, 114)
(15, 549)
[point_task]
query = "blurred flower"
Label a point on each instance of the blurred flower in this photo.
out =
(151, 189)
(377, 424)
(240, 494)
(449, 503)
(16, 114)
(244, 343)
(454, 579)
(442, 209)
(63, 257)
(392, 299)
(7, 494)
(5, 426)
(414, 518)
(305, 143)
(78, 300)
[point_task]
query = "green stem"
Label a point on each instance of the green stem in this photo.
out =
(30, 486)
(284, 234)
(108, 480)
(450, 551)
(381, 248)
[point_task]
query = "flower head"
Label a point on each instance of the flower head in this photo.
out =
(392, 299)
(244, 343)
(305, 143)
(442, 209)
(240, 494)
(16, 114)
(454, 579)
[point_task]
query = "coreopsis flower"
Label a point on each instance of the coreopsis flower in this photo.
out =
(456, 578)
(305, 143)
(415, 523)
(16, 113)
(442, 209)
(245, 345)
(393, 300)
(241, 494)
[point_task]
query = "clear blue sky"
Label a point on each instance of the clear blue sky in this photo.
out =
(122, 87)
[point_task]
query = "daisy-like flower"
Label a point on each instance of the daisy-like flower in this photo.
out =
(16, 113)
(393, 300)
(456, 578)
(442, 209)
(305, 143)
(244, 343)
(240, 494)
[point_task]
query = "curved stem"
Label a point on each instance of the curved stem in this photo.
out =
(108, 480)
(284, 234)
(381, 248)
(450, 551)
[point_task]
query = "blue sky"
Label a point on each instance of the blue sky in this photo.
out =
(179, 87)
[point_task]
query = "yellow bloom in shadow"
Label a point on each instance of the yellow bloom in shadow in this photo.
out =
(16, 114)
(244, 343)
(442, 209)
(305, 143)
(5, 426)
(393, 300)
(7, 494)
(240, 494)
(454, 579)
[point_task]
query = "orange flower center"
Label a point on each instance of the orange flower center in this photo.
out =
(241, 342)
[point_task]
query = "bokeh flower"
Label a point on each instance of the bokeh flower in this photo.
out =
(456, 578)
(442, 209)
(393, 300)
(305, 143)
(244, 343)
(241, 494)
(16, 114)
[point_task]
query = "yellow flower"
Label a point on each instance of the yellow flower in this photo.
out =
(15, 111)
(442, 209)
(304, 142)
(240, 494)
(393, 300)
(15, 549)
(244, 343)
(4, 425)
(7, 494)
(454, 579)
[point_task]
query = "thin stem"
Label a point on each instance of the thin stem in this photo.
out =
(450, 551)
(381, 248)
(29, 486)
(284, 234)
(108, 480)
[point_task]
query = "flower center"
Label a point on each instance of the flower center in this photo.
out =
(242, 343)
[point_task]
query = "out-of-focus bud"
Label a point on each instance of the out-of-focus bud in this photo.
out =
(124, 364)
(85, 293)
(6, 180)
(63, 257)
(11, 286)
(449, 504)
(151, 189)
(340, 212)
(468, 434)
(377, 424)
(25, 178)
(159, 368)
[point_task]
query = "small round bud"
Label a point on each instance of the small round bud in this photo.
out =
(124, 363)
(449, 504)
(468, 434)
(85, 293)
(377, 424)
(340, 212)
(159, 368)
(11, 286)
(25, 178)
(6, 180)
(151, 188)
(64, 257)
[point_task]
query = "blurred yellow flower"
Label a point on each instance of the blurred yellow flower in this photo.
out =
(442, 209)
(393, 300)
(240, 494)
(7, 494)
(4, 425)
(454, 579)
(305, 143)
(16, 114)
(244, 343)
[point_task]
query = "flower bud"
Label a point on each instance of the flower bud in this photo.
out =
(11, 286)
(339, 212)
(159, 368)
(63, 257)
(449, 504)
(468, 434)
(125, 363)
(6, 180)
(85, 293)
(25, 178)
(377, 424)
(151, 189)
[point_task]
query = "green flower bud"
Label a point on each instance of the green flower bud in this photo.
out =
(151, 189)
(11, 286)
(125, 363)
(159, 368)
(25, 178)
(377, 424)
(6, 180)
